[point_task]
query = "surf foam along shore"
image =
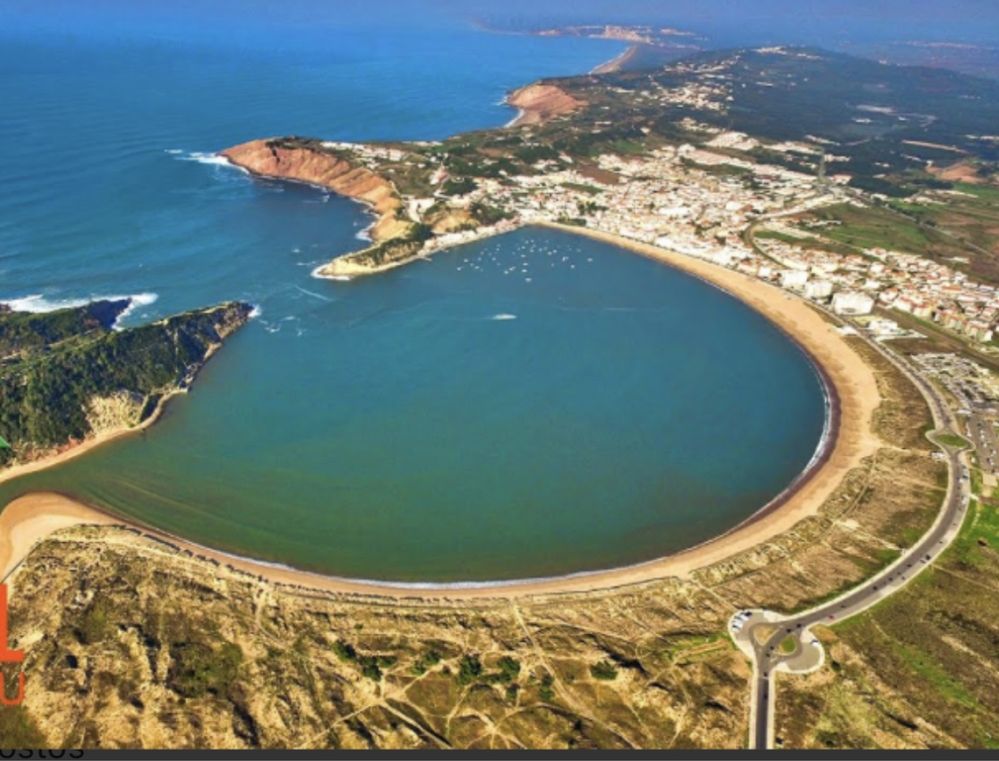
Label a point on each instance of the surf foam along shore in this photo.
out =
(204, 157)
(38, 303)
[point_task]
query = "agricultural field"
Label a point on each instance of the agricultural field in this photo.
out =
(966, 216)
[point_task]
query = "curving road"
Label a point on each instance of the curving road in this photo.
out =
(760, 634)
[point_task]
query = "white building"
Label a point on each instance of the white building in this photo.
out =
(850, 302)
(793, 280)
(885, 328)
(818, 289)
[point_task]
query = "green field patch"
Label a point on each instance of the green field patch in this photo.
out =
(983, 192)
(792, 239)
(978, 543)
(937, 675)
(951, 440)
(872, 228)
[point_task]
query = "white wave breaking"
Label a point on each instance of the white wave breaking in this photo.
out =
(312, 293)
(503, 316)
(135, 301)
(203, 157)
(319, 276)
(38, 303)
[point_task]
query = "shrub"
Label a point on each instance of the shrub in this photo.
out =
(509, 667)
(199, 669)
(371, 669)
(545, 691)
(470, 669)
(426, 661)
(604, 670)
(344, 651)
(94, 624)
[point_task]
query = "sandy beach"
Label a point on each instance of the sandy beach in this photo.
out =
(89, 444)
(615, 63)
(32, 517)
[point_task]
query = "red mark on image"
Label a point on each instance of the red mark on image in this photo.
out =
(8, 656)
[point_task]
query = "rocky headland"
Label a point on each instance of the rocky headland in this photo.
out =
(70, 380)
(393, 234)
(540, 102)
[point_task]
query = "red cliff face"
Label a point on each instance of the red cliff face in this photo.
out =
(539, 103)
(323, 169)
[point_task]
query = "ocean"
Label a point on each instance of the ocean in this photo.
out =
(530, 405)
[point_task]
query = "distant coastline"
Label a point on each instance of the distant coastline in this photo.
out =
(617, 62)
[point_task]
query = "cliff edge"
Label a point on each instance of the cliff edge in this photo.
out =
(304, 161)
(541, 102)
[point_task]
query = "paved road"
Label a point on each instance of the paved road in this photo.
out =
(807, 654)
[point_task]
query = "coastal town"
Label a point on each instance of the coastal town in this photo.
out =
(713, 200)
(663, 172)
(748, 216)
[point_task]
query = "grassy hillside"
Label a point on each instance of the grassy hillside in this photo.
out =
(918, 670)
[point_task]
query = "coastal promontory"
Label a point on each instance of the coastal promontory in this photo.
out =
(69, 377)
(539, 102)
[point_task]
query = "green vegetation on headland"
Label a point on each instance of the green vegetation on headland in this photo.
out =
(23, 332)
(394, 249)
(66, 375)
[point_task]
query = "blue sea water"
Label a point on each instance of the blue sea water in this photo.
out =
(525, 406)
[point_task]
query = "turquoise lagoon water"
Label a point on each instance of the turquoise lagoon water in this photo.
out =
(529, 405)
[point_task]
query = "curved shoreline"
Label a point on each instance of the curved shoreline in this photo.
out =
(105, 437)
(614, 64)
(71, 453)
(851, 394)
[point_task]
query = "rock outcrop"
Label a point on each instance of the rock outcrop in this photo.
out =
(540, 102)
(300, 161)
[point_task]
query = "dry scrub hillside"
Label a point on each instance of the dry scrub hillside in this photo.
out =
(133, 643)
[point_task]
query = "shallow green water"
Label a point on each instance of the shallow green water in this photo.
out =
(397, 427)
(530, 405)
